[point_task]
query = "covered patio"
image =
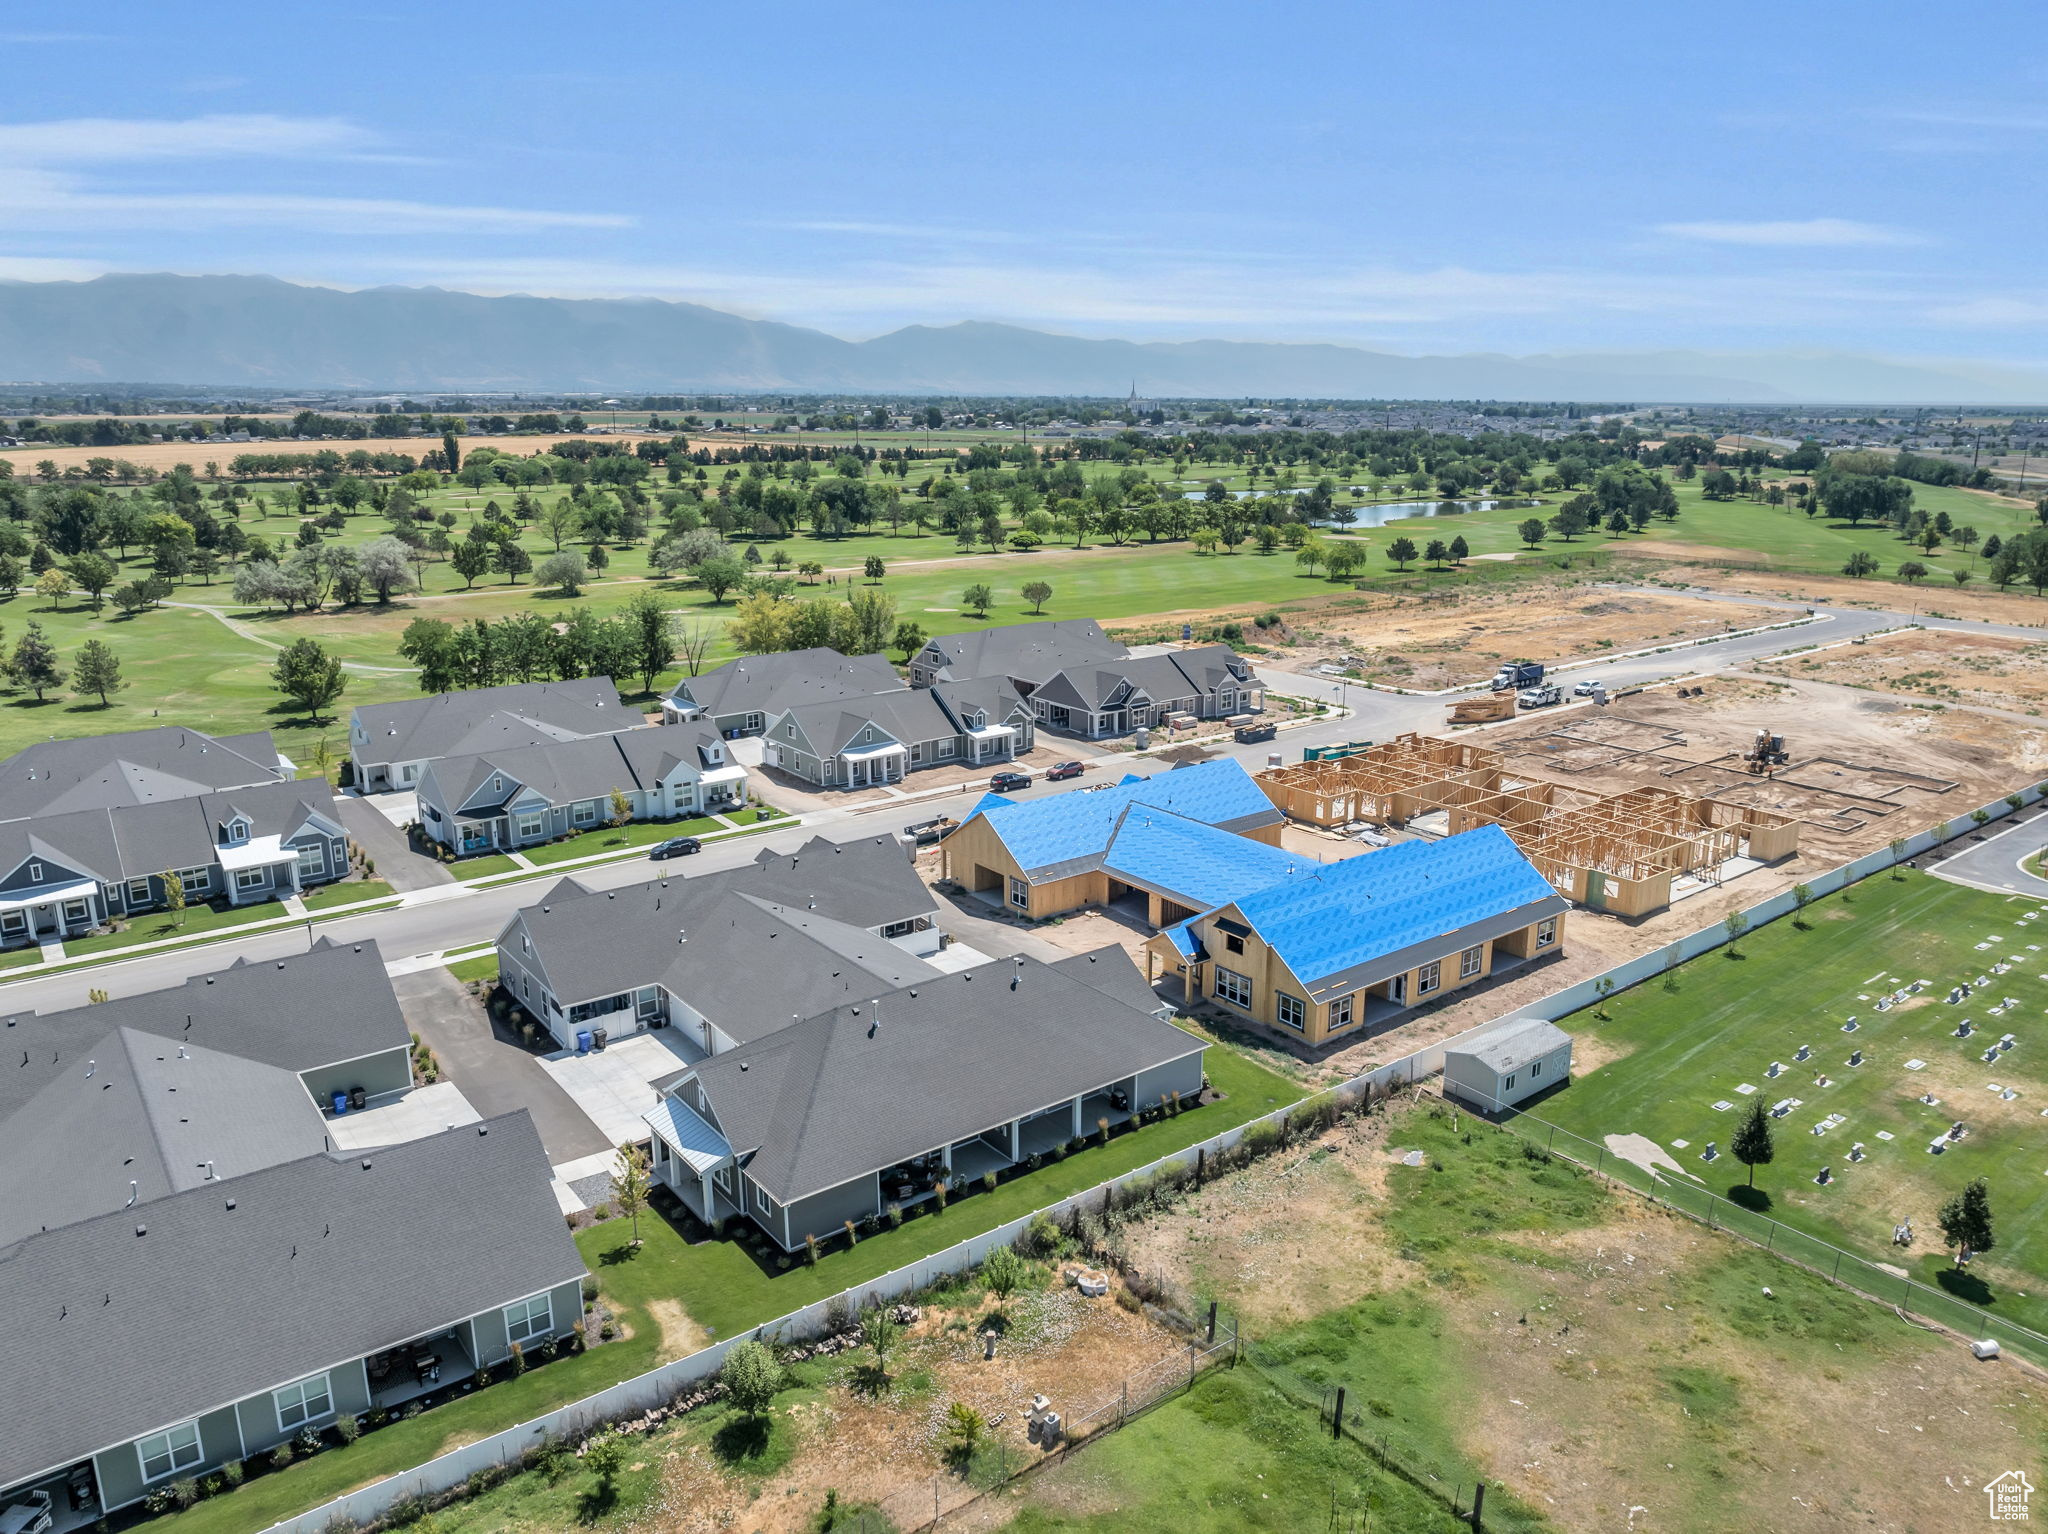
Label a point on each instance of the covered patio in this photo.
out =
(60, 911)
(259, 868)
(418, 1368)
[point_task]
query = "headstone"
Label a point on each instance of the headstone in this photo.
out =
(1856, 1057)
(1964, 1029)
(1772, 1073)
(1710, 1153)
(1955, 1130)
(1805, 1052)
(1856, 1151)
(1825, 1177)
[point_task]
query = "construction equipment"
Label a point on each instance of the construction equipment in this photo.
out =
(1483, 709)
(1766, 753)
(1516, 674)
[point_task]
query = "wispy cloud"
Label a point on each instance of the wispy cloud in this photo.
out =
(1816, 232)
(88, 140)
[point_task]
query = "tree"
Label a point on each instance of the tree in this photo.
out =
(1438, 553)
(1965, 1221)
(1037, 593)
(909, 638)
(1402, 552)
(34, 662)
(1002, 1272)
(965, 1430)
(873, 567)
(429, 644)
(979, 598)
(93, 574)
(174, 895)
(605, 1456)
(720, 575)
(451, 452)
(1736, 924)
(1912, 570)
(470, 559)
(881, 1331)
(1309, 555)
(751, 1377)
(565, 572)
(629, 1174)
(654, 636)
(54, 584)
(97, 671)
(1861, 563)
(305, 673)
(1460, 550)
(510, 560)
(1752, 1143)
(385, 566)
(560, 521)
(1802, 897)
(1343, 559)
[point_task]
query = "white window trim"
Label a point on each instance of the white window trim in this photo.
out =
(251, 879)
(1535, 1069)
(1471, 961)
(525, 1309)
(585, 813)
(77, 910)
(1281, 1003)
(1546, 932)
(1020, 894)
(1348, 1005)
(534, 824)
(762, 1201)
(305, 1391)
(138, 891)
(197, 1446)
(1232, 988)
(1428, 977)
(313, 858)
(35, 871)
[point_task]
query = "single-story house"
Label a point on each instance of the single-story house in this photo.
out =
(1023, 654)
(62, 874)
(390, 744)
(1100, 698)
(741, 696)
(521, 795)
(96, 772)
(1173, 836)
(832, 1119)
(724, 957)
(1334, 947)
(155, 1343)
(1509, 1063)
(882, 737)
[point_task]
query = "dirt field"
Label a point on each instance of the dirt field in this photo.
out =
(2007, 674)
(1428, 644)
(1629, 1375)
(1982, 604)
(162, 455)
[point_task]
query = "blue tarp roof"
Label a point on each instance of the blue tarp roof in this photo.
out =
(1333, 916)
(1079, 823)
(1191, 860)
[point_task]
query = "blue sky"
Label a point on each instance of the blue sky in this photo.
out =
(1447, 177)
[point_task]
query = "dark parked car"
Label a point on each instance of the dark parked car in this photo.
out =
(1008, 782)
(1060, 771)
(675, 847)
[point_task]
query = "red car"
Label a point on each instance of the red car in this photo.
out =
(1061, 770)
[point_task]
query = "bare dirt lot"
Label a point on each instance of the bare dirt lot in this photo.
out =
(1982, 604)
(163, 455)
(2008, 674)
(1428, 643)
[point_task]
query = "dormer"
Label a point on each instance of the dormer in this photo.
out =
(234, 831)
(713, 752)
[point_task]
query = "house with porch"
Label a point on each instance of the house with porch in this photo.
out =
(885, 736)
(834, 1118)
(97, 772)
(1176, 841)
(1147, 691)
(63, 874)
(191, 1327)
(720, 958)
(1333, 949)
(390, 744)
(1023, 654)
(741, 696)
(522, 795)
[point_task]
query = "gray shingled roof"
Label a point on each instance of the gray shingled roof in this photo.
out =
(827, 1100)
(133, 767)
(131, 841)
(1164, 678)
(1514, 1043)
(769, 684)
(488, 718)
(564, 770)
(239, 1286)
(906, 713)
(1029, 651)
(319, 1008)
(1109, 969)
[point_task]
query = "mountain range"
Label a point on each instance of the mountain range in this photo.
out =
(252, 331)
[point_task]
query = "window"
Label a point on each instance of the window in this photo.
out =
(1288, 1011)
(534, 825)
(1535, 1070)
(195, 878)
(789, 730)
(1340, 1013)
(138, 892)
(1507, 1083)
(1233, 987)
(585, 813)
(1020, 894)
(1233, 942)
(754, 722)
(237, 832)
(405, 773)
(251, 878)
(947, 747)
(307, 1401)
(13, 921)
(1429, 977)
(1546, 932)
(867, 734)
(529, 1319)
(76, 910)
(35, 872)
(1469, 961)
(899, 929)
(313, 860)
(762, 1201)
(167, 1453)
(917, 750)
(497, 785)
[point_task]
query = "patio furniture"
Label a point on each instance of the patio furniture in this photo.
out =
(427, 1367)
(31, 1515)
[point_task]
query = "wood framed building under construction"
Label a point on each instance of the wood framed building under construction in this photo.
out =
(1622, 853)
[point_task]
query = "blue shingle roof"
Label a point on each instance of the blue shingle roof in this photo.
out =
(1079, 823)
(1190, 860)
(1335, 916)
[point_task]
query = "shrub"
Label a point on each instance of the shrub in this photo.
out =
(939, 1195)
(605, 1332)
(281, 1456)
(184, 1491)
(988, 1182)
(309, 1442)
(852, 1233)
(589, 1292)
(895, 1214)
(811, 1250)
(347, 1428)
(516, 1364)
(232, 1473)
(1041, 1237)
(211, 1486)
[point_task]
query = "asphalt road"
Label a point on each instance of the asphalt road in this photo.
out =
(1994, 863)
(466, 918)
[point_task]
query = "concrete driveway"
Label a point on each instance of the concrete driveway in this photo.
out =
(496, 1073)
(397, 864)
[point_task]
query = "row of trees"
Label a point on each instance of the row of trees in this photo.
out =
(642, 639)
(35, 665)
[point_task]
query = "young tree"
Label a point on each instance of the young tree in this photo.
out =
(97, 671)
(34, 662)
(873, 568)
(54, 584)
(1460, 550)
(469, 559)
(565, 572)
(305, 673)
(881, 1331)
(1438, 553)
(1802, 897)
(1002, 1272)
(1752, 1143)
(1861, 563)
(1736, 923)
(605, 1456)
(965, 1430)
(1037, 593)
(174, 895)
(1965, 1221)
(1402, 552)
(751, 1377)
(629, 1174)
(979, 598)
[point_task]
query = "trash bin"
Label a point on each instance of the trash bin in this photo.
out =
(582, 1041)
(357, 1098)
(340, 1103)
(597, 1038)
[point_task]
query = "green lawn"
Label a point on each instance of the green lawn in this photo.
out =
(195, 921)
(483, 967)
(620, 839)
(1721, 1021)
(726, 1290)
(491, 863)
(347, 892)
